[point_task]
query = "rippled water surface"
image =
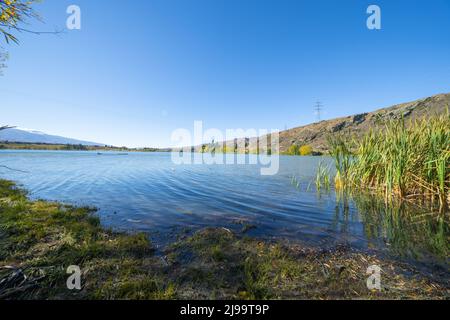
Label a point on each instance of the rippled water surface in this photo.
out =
(147, 192)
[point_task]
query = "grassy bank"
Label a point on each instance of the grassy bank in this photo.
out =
(407, 161)
(41, 239)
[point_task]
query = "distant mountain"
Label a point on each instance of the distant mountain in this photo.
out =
(33, 136)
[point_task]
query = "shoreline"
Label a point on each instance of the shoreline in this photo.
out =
(40, 239)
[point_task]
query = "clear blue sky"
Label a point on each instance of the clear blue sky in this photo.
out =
(140, 69)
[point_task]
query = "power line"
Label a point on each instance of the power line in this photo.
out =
(318, 108)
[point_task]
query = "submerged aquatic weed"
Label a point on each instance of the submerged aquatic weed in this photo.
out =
(295, 182)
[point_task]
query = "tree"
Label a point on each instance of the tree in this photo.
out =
(293, 150)
(306, 150)
(13, 14)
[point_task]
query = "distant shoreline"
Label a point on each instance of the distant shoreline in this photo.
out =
(6, 145)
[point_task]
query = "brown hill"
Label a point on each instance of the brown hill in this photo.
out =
(316, 134)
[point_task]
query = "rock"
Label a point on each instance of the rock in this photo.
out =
(407, 113)
(338, 127)
(357, 119)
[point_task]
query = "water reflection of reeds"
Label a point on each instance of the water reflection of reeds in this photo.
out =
(407, 230)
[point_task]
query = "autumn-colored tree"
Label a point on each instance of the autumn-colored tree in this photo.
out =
(13, 13)
(306, 150)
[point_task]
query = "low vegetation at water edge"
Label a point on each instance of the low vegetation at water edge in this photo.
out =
(408, 161)
(39, 240)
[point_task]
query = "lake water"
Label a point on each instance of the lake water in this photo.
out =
(148, 192)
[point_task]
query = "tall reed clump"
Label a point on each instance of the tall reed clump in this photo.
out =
(323, 177)
(406, 160)
(340, 151)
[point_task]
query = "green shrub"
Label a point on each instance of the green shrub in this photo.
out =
(293, 150)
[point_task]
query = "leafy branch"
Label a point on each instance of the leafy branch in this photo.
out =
(14, 17)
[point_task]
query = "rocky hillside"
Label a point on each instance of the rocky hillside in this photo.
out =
(316, 134)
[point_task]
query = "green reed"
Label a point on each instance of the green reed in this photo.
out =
(405, 160)
(323, 177)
